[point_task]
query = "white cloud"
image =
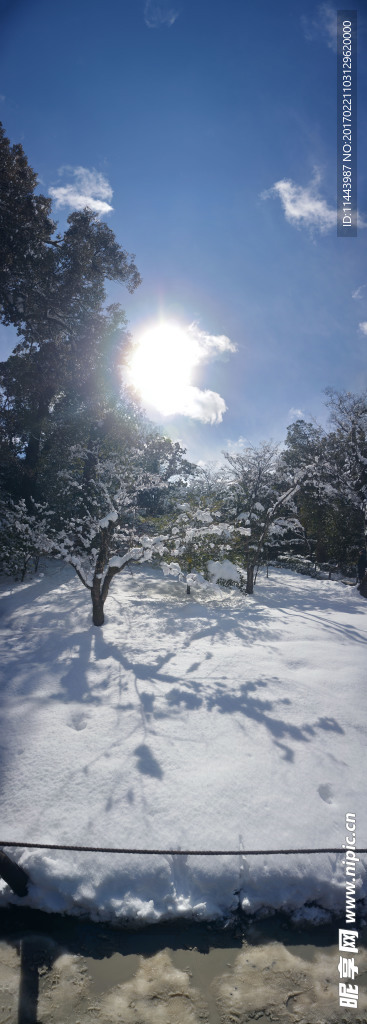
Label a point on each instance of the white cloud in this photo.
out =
(159, 12)
(210, 344)
(323, 26)
(237, 447)
(296, 414)
(304, 206)
(358, 294)
(363, 327)
(89, 188)
(207, 406)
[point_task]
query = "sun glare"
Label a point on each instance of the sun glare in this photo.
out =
(161, 367)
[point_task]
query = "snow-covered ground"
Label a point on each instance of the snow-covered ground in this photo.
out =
(209, 722)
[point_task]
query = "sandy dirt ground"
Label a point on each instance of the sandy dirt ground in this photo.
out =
(257, 978)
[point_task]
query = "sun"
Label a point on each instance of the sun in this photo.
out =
(161, 366)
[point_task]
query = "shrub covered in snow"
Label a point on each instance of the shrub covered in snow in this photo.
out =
(24, 536)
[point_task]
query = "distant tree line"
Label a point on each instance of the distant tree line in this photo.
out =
(84, 476)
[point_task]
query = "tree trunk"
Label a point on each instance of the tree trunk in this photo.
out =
(99, 592)
(32, 455)
(97, 603)
(30, 468)
(250, 579)
(13, 874)
(98, 613)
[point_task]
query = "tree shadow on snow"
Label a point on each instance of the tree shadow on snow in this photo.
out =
(261, 711)
(87, 664)
(291, 591)
(146, 762)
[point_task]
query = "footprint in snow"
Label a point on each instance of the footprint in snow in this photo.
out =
(326, 792)
(78, 722)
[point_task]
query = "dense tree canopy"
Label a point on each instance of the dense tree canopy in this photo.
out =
(54, 291)
(332, 500)
(85, 476)
(26, 231)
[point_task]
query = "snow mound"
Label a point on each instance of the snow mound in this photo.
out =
(225, 570)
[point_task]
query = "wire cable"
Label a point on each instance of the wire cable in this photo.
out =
(178, 852)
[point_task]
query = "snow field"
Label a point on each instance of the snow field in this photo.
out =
(206, 722)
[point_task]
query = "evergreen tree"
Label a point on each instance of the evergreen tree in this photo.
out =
(330, 501)
(261, 498)
(26, 229)
(53, 291)
(348, 447)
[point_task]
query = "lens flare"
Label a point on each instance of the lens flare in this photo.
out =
(161, 367)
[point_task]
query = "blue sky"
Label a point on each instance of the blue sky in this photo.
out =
(210, 129)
